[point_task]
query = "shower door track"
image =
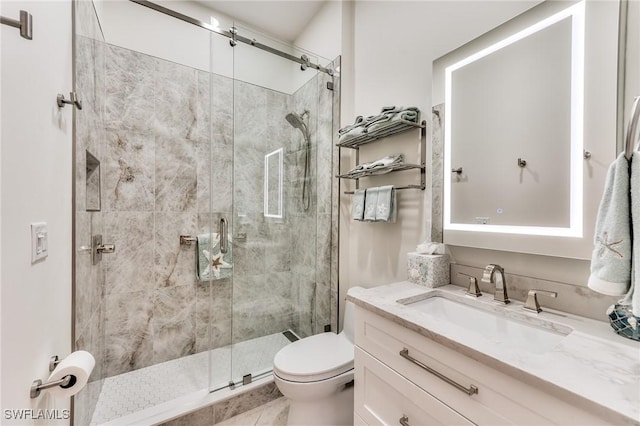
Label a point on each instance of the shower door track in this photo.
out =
(233, 36)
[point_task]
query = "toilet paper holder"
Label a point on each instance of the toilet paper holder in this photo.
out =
(37, 386)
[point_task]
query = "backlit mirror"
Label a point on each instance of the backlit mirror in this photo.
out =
(273, 170)
(522, 104)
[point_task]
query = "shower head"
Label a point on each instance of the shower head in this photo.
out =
(297, 120)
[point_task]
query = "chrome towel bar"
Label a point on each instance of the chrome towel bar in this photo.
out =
(469, 391)
(25, 24)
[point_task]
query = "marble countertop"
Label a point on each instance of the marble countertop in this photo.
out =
(591, 368)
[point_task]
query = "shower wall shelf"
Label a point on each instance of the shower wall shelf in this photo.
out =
(402, 127)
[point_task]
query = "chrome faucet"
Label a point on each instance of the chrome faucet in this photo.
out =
(489, 276)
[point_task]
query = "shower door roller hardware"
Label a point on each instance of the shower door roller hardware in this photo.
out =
(97, 249)
(73, 100)
(234, 33)
(522, 163)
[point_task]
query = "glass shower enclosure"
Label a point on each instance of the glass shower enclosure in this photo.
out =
(208, 167)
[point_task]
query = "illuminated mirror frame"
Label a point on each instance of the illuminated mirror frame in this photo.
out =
(279, 154)
(577, 14)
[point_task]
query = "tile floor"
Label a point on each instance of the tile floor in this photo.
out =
(273, 413)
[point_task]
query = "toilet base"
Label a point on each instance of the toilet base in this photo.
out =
(334, 410)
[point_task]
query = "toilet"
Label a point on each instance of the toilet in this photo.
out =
(316, 376)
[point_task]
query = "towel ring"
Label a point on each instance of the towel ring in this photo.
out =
(631, 129)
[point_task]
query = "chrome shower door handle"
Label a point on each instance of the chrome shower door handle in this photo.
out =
(223, 231)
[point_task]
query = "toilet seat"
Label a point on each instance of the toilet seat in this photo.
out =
(314, 358)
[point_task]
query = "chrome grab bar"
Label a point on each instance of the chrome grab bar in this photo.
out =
(223, 231)
(631, 130)
(404, 420)
(469, 391)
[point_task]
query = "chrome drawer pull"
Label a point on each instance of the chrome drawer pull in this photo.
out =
(404, 421)
(469, 391)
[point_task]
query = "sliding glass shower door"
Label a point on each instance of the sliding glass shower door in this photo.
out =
(279, 293)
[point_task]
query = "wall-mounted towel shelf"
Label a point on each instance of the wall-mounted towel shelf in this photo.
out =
(401, 127)
(380, 171)
(365, 138)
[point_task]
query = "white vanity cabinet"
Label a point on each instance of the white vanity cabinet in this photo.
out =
(393, 385)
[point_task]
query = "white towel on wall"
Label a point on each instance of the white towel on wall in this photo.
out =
(633, 295)
(370, 204)
(611, 258)
(386, 204)
(358, 204)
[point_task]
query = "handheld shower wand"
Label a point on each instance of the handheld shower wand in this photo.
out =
(297, 121)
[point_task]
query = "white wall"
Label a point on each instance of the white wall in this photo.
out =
(35, 177)
(144, 30)
(323, 34)
(395, 43)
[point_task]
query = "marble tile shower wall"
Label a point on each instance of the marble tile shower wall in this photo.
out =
(282, 279)
(90, 52)
(156, 161)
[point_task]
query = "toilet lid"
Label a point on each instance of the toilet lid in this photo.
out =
(314, 358)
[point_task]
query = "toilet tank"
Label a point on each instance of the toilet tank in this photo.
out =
(347, 329)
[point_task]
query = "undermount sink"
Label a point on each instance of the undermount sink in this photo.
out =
(492, 326)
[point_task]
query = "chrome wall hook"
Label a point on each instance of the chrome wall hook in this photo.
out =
(457, 171)
(25, 24)
(73, 100)
(522, 163)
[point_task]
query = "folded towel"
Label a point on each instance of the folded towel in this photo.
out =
(611, 258)
(370, 204)
(351, 134)
(210, 262)
(393, 119)
(633, 295)
(346, 129)
(386, 161)
(367, 168)
(358, 204)
(386, 204)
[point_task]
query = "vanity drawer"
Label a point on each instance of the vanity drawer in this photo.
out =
(383, 397)
(500, 399)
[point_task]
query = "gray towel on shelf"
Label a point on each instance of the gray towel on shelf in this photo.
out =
(386, 204)
(411, 114)
(346, 129)
(611, 258)
(358, 204)
(370, 204)
(633, 295)
(211, 264)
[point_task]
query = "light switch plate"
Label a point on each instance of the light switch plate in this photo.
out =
(39, 241)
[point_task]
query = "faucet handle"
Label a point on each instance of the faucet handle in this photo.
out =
(473, 289)
(531, 304)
